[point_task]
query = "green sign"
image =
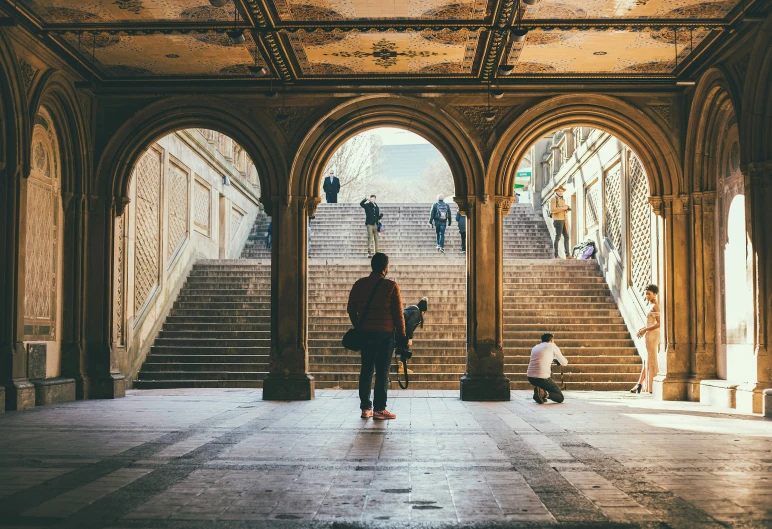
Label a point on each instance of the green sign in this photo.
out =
(523, 173)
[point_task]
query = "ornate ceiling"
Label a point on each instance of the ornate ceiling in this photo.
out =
(313, 41)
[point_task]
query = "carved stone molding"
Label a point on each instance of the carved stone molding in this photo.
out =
(463, 204)
(664, 111)
(119, 205)
(475, 116)
(741, 67)
(313, 204)
(289, 118)
(705, 200)
(656, 205)
(28, 73)
(504, 203)
(93, 202)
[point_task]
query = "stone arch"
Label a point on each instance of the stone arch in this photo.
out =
(163, 117)
(711, 114)
(364, 113)
(632, 125)
(14, 122)
(56, 93)
(756, 117)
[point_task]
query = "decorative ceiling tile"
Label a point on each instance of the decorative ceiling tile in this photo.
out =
(330, 10)
(100, 11)
(675, 9)
(604, 52)
(195, 54)
(388, 52)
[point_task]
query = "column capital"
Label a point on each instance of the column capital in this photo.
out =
(312, 205)
(504, 203)
(676, 204)
(119, 205)
(704, 199)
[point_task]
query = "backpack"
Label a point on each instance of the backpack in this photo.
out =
(442, 211)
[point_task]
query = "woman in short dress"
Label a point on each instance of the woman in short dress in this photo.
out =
(651, 331)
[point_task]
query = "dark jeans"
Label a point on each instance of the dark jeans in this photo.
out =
(463, 240)
(549, 386)
(268, 241)
(561, 230)
(439, 226)
(376, 356)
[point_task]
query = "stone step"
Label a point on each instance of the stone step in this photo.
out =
(176, 349)
(575, 351)
(161, 358)
(419, 369)
(621, 369)
(214, 335)
(202, 375)
(198, 319)
(197, 341)
(153, 367)
(256, 382)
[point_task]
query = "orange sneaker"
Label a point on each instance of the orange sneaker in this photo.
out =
(383, 415)
(366, 414)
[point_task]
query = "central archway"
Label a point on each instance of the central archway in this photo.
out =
(361, 114)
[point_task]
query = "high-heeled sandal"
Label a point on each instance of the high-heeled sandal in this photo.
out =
(636, 389)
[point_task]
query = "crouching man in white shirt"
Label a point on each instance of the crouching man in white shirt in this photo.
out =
(539, 372)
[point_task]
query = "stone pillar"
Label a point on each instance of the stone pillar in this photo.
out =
(674, 362)
(484, 379)
(703, 360)
(758, 218)
(288, 377)
(75, 282)
(19, 391)
(105, 381)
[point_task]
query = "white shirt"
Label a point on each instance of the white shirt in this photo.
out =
(541, 358)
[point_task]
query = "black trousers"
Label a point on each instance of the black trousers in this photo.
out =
(376, 356)
(463, 240)
(548, 385)
(332, 198)
(561, 231)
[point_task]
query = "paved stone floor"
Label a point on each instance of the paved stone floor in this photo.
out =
(225, 458)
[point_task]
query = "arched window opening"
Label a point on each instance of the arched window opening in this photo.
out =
(192, 247)
(44, 258)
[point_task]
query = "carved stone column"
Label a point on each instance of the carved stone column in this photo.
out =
(703, 327)
(288, 377)
(758, 215)
(19, 392)
(105, 379)
(484, 379)
(674, 362)
(75, 281)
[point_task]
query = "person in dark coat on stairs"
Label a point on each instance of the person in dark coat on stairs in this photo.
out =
(331, 188)
(414, 318)
(440, 219)
(372, 216)
(461, 223)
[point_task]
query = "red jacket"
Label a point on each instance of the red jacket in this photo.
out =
(385, 312)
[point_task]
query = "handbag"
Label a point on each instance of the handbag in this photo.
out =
(354, 338)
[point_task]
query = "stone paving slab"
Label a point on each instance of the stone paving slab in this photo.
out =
(218, 458)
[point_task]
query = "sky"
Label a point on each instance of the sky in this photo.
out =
(394, 136)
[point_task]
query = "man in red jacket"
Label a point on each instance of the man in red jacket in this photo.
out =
(384, 325)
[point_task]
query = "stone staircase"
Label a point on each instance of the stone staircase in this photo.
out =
(571, 300)
(525, 234)
(338, 231)
(256, 246)
(218, 332)
(440, 347)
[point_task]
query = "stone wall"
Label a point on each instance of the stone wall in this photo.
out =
(180, 211)
(608, 191)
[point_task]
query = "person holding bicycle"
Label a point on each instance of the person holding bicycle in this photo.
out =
(539, 370)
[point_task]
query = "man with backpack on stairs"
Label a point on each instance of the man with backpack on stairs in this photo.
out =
(440, 218)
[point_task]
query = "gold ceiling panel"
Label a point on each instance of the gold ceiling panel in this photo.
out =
(604, 52)
(673, 9)
(197, 54)
(386, 52)
(114, 11)
(331, 10)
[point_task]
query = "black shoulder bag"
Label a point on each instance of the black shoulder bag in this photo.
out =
(354, 338)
